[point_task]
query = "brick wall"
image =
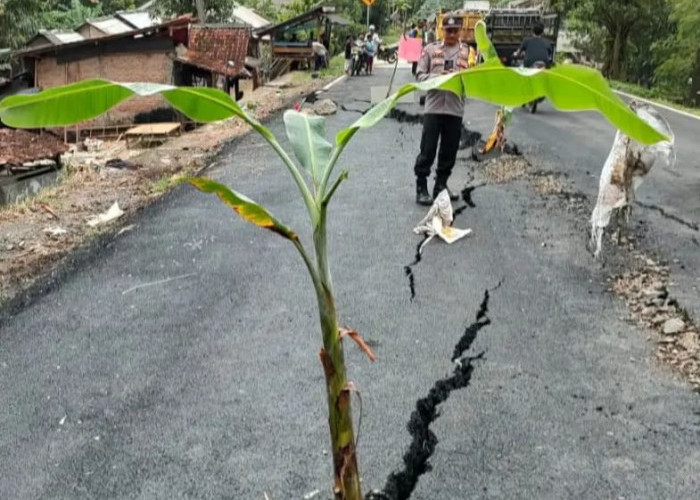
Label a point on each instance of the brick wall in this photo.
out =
(153, 67)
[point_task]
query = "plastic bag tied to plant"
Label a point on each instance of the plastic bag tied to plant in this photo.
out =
(569, 88)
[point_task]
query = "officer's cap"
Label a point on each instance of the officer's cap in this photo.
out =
(451, 21)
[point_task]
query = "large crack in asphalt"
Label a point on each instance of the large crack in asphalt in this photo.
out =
(689, 224)
(400, 484)
(468, 138)
(408, 269)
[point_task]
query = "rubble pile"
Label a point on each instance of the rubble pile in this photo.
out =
(19, 148)
(646, 292)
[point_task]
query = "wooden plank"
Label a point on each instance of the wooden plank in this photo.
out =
(154, 129)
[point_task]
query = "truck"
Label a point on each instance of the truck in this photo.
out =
(507, 28)
(469, 16)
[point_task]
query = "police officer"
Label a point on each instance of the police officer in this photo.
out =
(442, 120)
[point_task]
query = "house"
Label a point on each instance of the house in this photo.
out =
(291, 40)
(140, 54)
(214, 57)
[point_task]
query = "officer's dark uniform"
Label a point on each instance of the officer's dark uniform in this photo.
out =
(443, 116)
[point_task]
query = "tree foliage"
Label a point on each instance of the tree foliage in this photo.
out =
(647, 42)
(22, 19)
(216, 10)
(679, 54)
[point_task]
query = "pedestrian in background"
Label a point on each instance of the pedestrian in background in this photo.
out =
(413, 33)
(348, 54)
(442, 121)
(370, 50)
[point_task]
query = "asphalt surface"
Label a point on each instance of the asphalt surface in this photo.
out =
(179, 360)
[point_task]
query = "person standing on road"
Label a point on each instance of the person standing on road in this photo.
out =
(430, 36)
(349, 41)
(442, 120)
(370, 50)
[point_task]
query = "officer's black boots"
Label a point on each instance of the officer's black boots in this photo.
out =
(439, 186)
(422, 195)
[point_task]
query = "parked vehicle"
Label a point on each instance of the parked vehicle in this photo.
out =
(507, 28)
(388, 53)
(469, 19)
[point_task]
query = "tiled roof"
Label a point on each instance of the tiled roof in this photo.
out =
(218, 49)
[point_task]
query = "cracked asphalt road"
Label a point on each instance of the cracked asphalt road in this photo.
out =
(209, 386)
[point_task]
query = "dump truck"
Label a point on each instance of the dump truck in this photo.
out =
(469, 20)
(507, 28)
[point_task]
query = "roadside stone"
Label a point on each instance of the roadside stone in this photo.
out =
(325, 107)
(673, 326)
(659, 318)
(647, 311)
(689, 341)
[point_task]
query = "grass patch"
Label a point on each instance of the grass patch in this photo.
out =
(336, 67)
(651, 94)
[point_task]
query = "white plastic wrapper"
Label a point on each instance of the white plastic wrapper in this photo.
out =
(627, 163)
(438, 222)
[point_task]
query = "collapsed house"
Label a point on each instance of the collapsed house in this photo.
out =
(27, 161)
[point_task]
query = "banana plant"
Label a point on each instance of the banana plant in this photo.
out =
(571, 88)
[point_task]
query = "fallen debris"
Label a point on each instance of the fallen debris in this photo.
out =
(325, 107)
(18, 147)
(438, 221)
(113, 213)
(506, 169)
(647, 295)
(55, 231)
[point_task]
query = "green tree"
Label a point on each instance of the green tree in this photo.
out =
(430, 7)
(215, 10)
(619, 19)
(679, 71)
(22, 19)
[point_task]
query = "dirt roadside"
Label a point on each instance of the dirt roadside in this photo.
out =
(38, 234)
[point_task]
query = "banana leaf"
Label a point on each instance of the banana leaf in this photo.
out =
(308, 137)
(88, 99)
(249, 210)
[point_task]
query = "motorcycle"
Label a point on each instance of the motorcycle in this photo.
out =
(388, 53)
(359, 61)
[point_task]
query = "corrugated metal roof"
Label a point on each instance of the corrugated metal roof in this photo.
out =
(60, 37)
(109, 25)
(139, 20)
(249, 17)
